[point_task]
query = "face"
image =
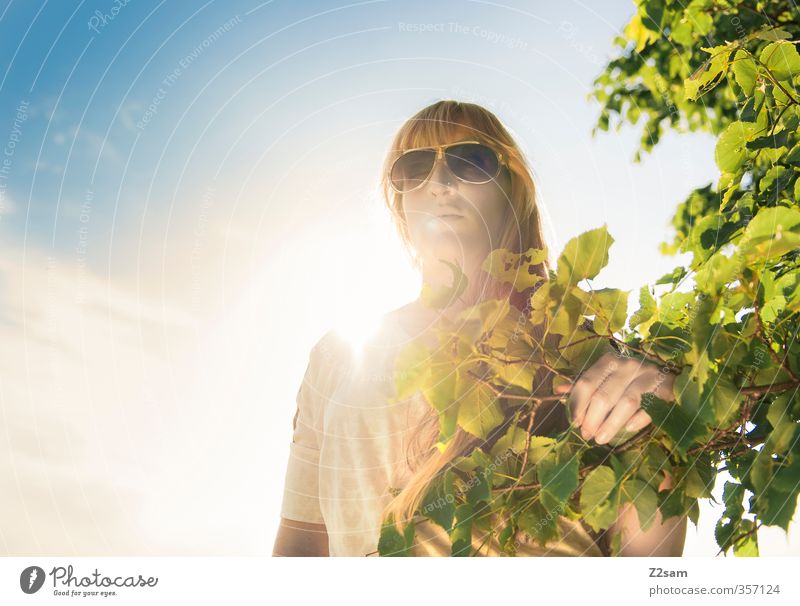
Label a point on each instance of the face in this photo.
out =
(450, 219)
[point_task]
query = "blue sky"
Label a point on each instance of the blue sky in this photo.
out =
(191, 203)
(321, 69)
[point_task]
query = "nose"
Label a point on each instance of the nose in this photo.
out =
(442, 179)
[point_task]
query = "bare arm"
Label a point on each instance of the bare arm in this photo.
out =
(661, 539)
(300, 539)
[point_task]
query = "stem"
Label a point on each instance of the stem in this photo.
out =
(763, 338)
(742, 536)
(760, 390)
(772, 78)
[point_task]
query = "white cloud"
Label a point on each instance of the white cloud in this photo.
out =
(121, 428)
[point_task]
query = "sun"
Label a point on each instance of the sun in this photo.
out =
(356, 326)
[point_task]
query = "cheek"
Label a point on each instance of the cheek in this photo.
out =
(492, 209)
(411, 211)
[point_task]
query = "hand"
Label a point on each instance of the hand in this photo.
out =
(607, 397)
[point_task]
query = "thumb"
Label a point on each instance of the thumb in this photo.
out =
(563, 388)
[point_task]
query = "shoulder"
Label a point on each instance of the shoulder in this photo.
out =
(330, 355)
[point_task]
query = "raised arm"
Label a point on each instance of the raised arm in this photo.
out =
(661, 539)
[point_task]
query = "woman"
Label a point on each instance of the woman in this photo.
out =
(458, 187)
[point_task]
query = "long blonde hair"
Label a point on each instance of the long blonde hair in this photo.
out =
(522, 231)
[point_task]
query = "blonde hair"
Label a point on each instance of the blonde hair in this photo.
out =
(522, 231)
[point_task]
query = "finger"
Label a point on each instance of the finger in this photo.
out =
(638, 421)
(621, 413)
(563, 388)
(663, 386)
(600, 404)
(626, 410)
(587, 384)
(654, 382)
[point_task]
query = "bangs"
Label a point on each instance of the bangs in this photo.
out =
(445, 124)
(428, 133)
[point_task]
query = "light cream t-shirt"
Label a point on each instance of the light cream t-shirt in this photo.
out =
(349, 447)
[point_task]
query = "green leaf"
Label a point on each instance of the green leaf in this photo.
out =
(673, 277)
(440, 297)
(636, 31)
(731, 148)
(747, 547)
(505, 536)
(709, 74)
(733, 496)
(652, 15)
(480, 488)
(717, 273)
(776, 176)
(782, 59)
(461, 537)
(584, 256)
(682, 33)
(479, 319)
(559, 479)
(478, 410)
(786, 477)
(784, 429)
(540, 448)
(439, 501)
(646, 313)
(684, 430)
(448, 423)
(673, 307)
(773, 232)
(439, 384)
(654, 464)
(566, 315)
(725, 399)
(393, 544)
(699, 479)
(668, 339)
(644, 498)
(772, 140)
(539, 523)
(597, 505)
(771, 33)
(774, 505)
(513, 438)
(513, 375)
(776, 508)
(514, 268)
(724, 532)
(411, 369)
(610, 307)
(673, 502)
(745, 71)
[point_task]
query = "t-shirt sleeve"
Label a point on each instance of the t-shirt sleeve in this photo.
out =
(301, 487)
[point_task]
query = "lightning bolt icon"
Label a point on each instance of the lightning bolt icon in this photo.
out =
(32, 579)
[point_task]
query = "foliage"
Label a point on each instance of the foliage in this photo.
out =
(726, 324)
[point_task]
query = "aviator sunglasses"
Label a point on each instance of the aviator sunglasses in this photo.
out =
(470, 161)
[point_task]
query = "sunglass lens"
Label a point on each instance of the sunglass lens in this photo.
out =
(412, 168)
(473, 162)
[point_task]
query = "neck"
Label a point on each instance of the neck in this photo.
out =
(439, 275)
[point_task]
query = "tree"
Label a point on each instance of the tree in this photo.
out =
(726, 323)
